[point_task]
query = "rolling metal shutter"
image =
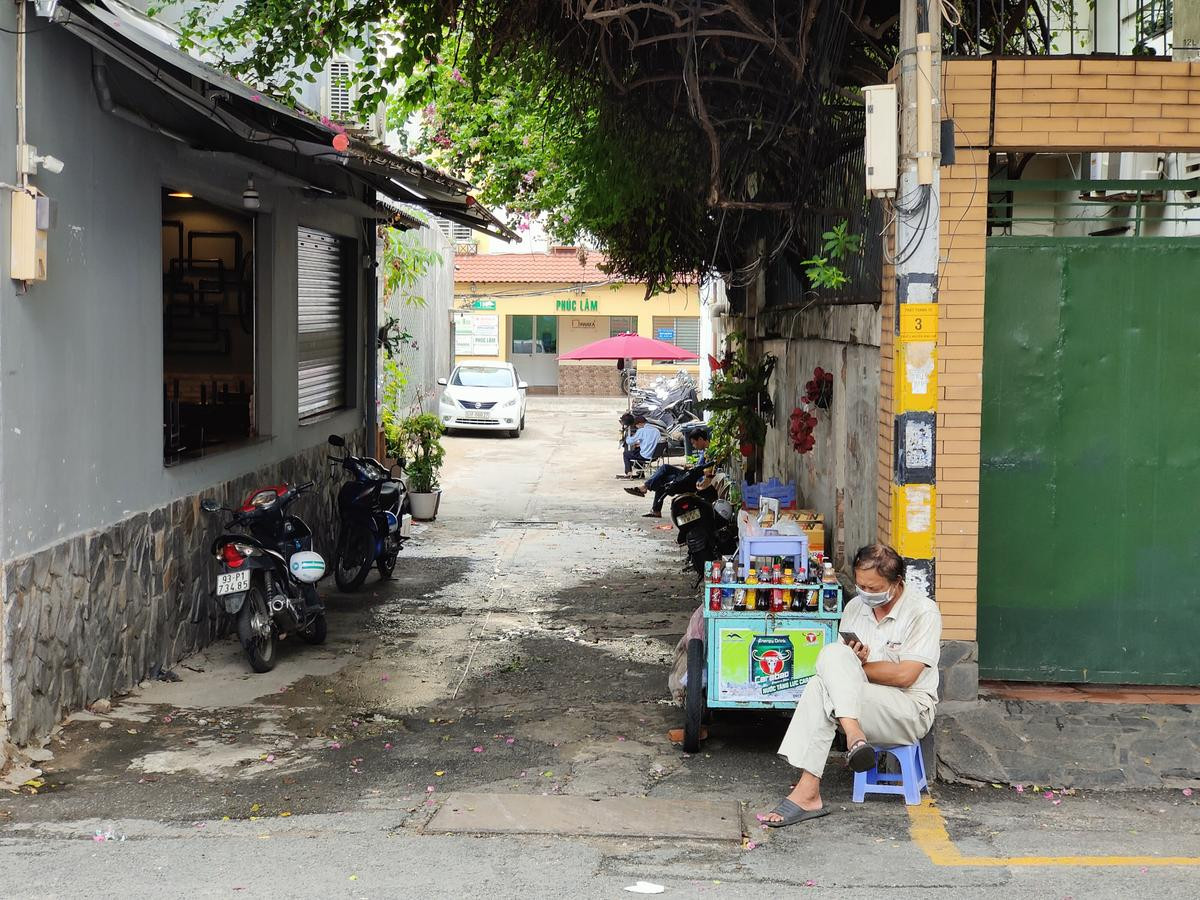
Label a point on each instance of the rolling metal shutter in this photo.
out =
(322, 322)
(686, 328)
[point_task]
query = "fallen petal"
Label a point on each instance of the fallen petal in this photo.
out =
(476, 749)
(1187, 792)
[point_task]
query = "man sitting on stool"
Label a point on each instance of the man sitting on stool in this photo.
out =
(640, 445)
(672, 479)
(879, 689)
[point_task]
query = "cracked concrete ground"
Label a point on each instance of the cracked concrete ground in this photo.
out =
(521, 650)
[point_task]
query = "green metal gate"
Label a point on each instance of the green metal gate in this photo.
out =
(1089, 547)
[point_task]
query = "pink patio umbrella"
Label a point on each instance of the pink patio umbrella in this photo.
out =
(629, 346)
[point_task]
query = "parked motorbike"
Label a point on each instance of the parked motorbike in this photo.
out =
(269, 573)
(373, 511)
(706, 524)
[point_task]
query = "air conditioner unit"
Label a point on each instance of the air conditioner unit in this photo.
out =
(1102, 166)
(1139, 166)
(1189, 167)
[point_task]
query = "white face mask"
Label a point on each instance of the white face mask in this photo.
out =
(874, 600)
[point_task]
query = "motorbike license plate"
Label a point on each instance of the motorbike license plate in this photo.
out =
(690, 516)
(233, 583)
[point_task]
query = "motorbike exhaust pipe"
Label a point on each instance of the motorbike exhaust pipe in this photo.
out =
(285, 611)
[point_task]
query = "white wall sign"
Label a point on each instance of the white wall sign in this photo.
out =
(476, 335)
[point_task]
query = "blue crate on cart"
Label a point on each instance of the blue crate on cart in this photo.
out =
(787, 545)
(773, 488)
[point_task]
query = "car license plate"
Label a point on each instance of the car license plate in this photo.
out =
(477, 416)
(233, 583)
(690, 516)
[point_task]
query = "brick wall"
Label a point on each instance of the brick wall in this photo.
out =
(589, 381)
(1045, 105)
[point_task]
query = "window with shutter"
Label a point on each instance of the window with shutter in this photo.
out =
(622, 325)
(322, 293)
(682, 331)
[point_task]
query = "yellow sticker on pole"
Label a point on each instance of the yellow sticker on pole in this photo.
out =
(918, 321)
(914, 518)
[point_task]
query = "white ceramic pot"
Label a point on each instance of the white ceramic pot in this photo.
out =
(425, 506)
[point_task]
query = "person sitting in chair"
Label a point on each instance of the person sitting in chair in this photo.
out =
(640, 445)
(671, 480)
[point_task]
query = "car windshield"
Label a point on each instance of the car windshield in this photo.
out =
(482, 376)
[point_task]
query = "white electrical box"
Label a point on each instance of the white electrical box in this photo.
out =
(880, 156)
(30, 225)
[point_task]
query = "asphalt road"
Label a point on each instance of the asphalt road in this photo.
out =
(520, 652)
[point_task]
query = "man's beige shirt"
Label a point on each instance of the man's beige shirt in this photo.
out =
(912, 630)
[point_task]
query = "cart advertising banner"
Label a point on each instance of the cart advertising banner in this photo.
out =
(771, 668)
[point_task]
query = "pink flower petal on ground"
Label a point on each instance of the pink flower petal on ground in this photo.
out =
(1144, 870)
(387, 746)
(510, 740)
(620, 738)
(1020, 788)
(760, 817)
(385, 677)
(1187, 792)
(167, 719)
(1057, 802)
(1049, 795)
(270, 757)
(335, 746)
(810, 883)
(430, 789)
(750, 845)
(476, 749)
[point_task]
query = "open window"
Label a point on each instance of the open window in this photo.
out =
(208, 326)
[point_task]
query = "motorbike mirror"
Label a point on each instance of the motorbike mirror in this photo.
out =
(336, 440)
(210, 505)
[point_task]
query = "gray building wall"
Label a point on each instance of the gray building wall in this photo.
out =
(103, 549)
(838, 477)
(430, 356)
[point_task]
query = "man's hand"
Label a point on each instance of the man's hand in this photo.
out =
(861, 650)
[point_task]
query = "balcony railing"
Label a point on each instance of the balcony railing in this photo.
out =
(1139, 28)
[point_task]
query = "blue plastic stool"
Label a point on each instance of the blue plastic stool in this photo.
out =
(908, 784)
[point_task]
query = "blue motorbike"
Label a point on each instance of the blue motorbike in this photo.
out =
(373, 514)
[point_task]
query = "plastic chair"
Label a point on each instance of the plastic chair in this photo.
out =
(908, 784)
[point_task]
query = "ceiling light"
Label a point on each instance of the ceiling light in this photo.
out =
(250, 198)
(180, 195)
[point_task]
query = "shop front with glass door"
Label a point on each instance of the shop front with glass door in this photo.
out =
(533, 349)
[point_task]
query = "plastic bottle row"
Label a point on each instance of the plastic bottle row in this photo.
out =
(769, 589)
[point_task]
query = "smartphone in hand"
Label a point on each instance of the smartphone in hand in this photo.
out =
(850, 637)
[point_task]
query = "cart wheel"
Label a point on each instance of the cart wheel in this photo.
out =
(693, 703)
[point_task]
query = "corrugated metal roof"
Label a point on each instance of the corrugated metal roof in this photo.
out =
(560, 266)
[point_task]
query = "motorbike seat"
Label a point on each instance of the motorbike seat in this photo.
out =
(389, 494)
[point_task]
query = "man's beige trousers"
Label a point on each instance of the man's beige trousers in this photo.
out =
(840, 689)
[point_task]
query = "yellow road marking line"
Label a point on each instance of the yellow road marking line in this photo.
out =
(928, 830)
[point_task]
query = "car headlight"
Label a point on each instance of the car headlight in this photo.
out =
(447, 400)
(508, 403)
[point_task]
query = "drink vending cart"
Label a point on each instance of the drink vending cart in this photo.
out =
(760, 658)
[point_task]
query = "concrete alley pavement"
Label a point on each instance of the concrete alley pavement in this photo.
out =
(511, 681)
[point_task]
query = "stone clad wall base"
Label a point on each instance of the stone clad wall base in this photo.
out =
(98, 613)
(959, 671)
(589, 381)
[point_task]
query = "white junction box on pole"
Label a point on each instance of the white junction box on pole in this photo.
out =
(880, 153)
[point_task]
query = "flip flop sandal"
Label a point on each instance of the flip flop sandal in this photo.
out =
(637, 492)
(793, 813)
(651, 515)
(861, 757)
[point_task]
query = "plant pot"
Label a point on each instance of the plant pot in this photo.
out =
(425, 506)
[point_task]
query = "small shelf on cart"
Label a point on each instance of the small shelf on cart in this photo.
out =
(789, 615)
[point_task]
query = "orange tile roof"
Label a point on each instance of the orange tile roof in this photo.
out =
(560, 266)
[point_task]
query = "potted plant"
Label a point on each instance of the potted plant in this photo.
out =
(419, 441)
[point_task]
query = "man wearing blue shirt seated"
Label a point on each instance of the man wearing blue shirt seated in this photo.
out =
(674, 480)
(640, 444)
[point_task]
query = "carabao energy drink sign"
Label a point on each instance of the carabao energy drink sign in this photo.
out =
(771, 661)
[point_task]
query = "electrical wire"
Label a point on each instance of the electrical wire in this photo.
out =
(18, 32)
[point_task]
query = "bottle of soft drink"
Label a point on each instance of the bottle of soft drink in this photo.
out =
(751, 593)
(732, 576)
(713, 572)
(739, 595)
(778, 604)
(791, 598)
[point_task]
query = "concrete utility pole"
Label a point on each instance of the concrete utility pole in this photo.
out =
(1185, 31)
(918, 220)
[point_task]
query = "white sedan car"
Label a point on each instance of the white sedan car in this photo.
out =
(483, 397)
